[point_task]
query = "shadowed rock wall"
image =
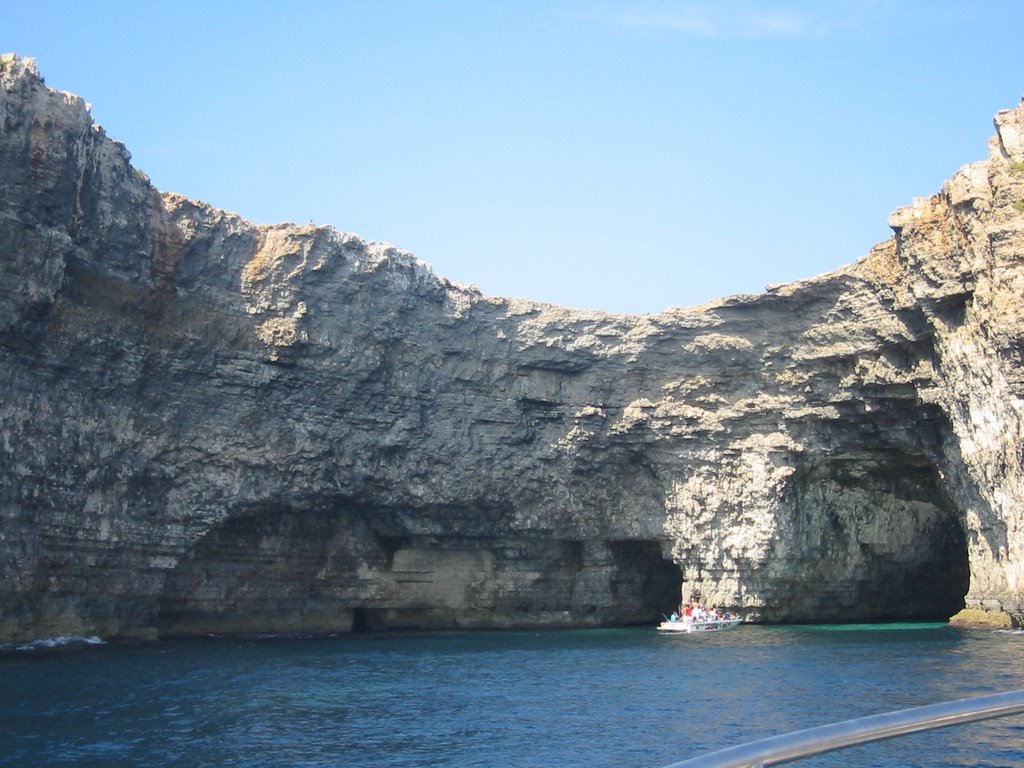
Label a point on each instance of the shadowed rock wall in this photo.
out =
(214, 426)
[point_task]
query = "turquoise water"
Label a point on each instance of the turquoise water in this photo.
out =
(583, 698)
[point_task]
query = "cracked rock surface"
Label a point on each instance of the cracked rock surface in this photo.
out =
(208, 425)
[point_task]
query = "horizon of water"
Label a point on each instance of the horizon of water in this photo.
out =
(617, 697)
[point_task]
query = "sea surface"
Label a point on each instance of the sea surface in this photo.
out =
(625, 698)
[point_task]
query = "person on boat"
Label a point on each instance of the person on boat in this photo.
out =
(688, 612)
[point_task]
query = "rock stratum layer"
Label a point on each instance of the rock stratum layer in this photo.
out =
(210, 426)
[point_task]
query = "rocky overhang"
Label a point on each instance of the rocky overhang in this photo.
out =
(212, 426)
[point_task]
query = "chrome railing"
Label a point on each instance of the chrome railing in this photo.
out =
(827, 738)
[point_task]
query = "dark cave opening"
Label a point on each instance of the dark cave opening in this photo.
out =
(646, 584)
(880, 541)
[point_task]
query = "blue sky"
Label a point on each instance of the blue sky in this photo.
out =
(624, 156)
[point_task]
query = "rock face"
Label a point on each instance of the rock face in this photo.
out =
(213, 426)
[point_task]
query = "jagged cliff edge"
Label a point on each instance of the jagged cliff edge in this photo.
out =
(214, 426)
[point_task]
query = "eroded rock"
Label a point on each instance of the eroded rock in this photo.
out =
(214, 426)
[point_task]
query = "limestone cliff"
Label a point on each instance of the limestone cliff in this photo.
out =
(213, 426)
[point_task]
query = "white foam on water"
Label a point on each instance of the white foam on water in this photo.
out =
(59, 642)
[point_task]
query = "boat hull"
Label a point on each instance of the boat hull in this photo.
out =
(699, 627)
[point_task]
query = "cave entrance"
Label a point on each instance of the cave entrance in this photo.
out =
(646, 584)
(928, 581)
(878, 541)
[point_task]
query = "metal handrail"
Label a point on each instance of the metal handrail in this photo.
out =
(827, 738)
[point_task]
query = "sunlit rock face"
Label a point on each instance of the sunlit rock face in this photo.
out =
(213, 426)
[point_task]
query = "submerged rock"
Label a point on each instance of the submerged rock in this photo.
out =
(215, 426)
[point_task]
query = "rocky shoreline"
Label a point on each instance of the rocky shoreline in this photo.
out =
(215, 426)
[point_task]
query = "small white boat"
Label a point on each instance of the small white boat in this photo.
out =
(697, 627)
